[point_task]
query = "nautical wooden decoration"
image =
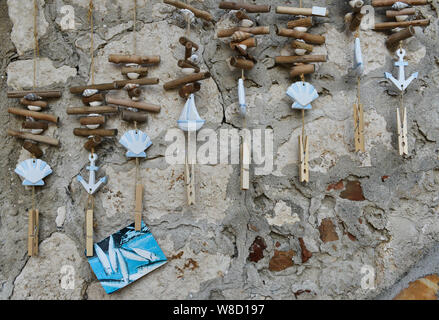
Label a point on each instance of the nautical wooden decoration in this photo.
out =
(302, 92)
(402, 29)
(34, 170)
(135, 141)
(241, 41)
(94, 116)
(353, 21)
(189, 121)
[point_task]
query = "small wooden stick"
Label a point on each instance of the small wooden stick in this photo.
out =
(302, 45)
(393, 41)
(251, 8)
(135, 93)
(241, 15)
(133, 104)
(401, 24)
(143, 82)
(242, 63)
(188, 50)
(302, 69)
(90, 110)
(403, 12)
(188, 64)
(34, 114)
(187, 79)
(184, 41)
(223, 33)
(35, 125)
(359, 127)
(41, 104)
(139, 207)
(33, 149)
(356, 21)
(308, 37)
(118, 58)
(92, 120)
(101, 87)
(82, 132)
(401, 121)
(187, 89)
(299, 59)
(304, 160)
(32, 235)
(297, 11)
(33, 137)
(131, 116)
(249, 43)
(303, 22)
(388, 3)
(143, 71)
(89, 233)
(93, 98)
(198, 13)
(42, 94)
(92, 143)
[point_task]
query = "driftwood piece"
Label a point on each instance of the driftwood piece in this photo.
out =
(302, 69)
(133, 104)
(183, 41)
(131, 116)
(143, 82)
(393, 41)
(356, 21)
(185, 80)
(242, 63)
(388, 3)
(33, 137)
(33, 149)
(93, 98)
(119, 58)
(249, 43)
(300, 59)
(296, 11)
(307, 37)
(187, 89)
(135, 93)
(198, 13)
(42, 94)
(241, 15)
(403, 12)
(188, 64)
(143, 71)
(32, 232)
(251, 8)
(188, 50)
(401, 24)
(302, 45)
(303, 22)
(90, 110)
(92, 143)
(223, 33)
(101, 87)
(38, 125)
(33, 114)
(92, 120)
(41, 104)
(82, 132)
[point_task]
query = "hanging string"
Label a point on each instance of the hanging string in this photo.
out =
(134, 28)
(36, 47)
(90, 17)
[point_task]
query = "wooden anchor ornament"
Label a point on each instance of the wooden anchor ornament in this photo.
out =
(402, 29)
(241, 41)
(190, 120)
(302, 92)
(135, 141)
(34, 170)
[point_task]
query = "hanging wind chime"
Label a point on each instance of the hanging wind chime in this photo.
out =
(34, 170)
(189, 121)
(404, 29)
(242, 38)
(353, 20)
(303, 93)
(135, 141)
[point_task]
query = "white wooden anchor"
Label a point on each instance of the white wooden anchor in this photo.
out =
(91, 187)
(402, 83)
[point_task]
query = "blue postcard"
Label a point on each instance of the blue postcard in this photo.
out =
(125, 256)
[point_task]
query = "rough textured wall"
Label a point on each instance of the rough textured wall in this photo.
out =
(375, 209)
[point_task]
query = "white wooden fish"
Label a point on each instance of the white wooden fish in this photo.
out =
(123, 266)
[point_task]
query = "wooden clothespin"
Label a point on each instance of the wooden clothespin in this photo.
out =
(32, 235)
(304, 159)
(139, 207)
(189, 178)
(245, 164)
(402, 131)
(89, 232)
(359, 127)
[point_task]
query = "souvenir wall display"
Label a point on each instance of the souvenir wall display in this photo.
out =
(402, 29)
(242, 38)
(34, 170)
(190, 120)
(303, 93)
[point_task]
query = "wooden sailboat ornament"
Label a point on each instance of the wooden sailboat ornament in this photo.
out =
(34, 170)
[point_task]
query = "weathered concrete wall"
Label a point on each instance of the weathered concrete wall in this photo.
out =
(282, 239)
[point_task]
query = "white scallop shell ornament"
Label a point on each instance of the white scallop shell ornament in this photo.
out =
(136, 142)
(33, 171)
(303, 93)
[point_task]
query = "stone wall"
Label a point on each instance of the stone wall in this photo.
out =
(374, 213)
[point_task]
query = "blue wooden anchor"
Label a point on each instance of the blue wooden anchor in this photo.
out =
(91, 187)
(401, 83)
